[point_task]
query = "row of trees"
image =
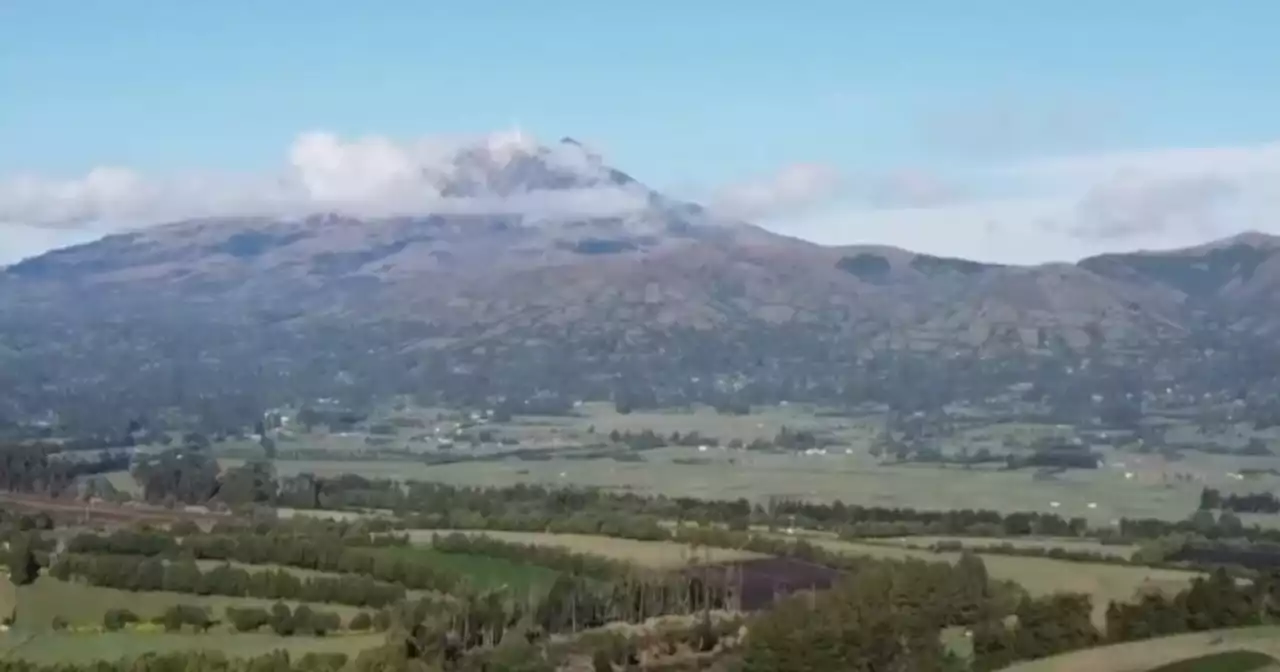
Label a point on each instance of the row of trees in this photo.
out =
(302, 620)
(148, 574)
(324, 550)
(1257, 502)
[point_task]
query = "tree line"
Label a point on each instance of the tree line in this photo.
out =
(1256, 502)
(139, 574)
(366, 557)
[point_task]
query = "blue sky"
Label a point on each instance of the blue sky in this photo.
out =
(1022, 114)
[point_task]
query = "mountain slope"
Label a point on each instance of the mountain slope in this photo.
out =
(545, 270)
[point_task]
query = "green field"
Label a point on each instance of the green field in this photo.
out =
(84, 605)
(70, 648)
(1152, 654)
(651, 554)
(485, 572)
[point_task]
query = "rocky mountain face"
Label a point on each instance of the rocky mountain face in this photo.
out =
(550, 271)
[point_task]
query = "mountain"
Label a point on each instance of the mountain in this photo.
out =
(544, 272)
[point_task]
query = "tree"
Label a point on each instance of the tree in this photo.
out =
(23, 568)
(247, 619)
(361, 621)
(281, 619)
(116, 619)
(172, 619)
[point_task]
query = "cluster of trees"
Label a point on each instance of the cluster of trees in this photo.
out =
(49, 468)
(1218, 601)
(147, 574)
(192, 476)
(1257, 502)
(885, 617)
(1043, 627)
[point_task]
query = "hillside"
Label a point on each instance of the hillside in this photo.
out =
(621, 293)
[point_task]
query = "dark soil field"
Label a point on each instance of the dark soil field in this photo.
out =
(765, 580)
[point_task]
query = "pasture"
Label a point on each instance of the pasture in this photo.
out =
(84, 605)
(649, 554)
(1154, 654)
(484, 572)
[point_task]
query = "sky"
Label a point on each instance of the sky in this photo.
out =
(988, 129)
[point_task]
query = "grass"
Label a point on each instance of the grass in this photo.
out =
(485, 572)
(82, 604)
(649, 554)
(70, 648)
(1152, 654)
(1041, 576)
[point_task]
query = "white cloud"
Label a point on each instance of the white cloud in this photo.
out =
(1048, 209)
(793, 188)
(371, 176)
(1075, 206)
(800, 187)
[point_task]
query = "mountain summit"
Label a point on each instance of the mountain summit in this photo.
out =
(506, 267)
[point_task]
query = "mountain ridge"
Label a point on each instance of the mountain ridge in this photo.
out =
(506, 290)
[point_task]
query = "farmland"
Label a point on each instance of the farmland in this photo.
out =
(562, 543)
(560, 450)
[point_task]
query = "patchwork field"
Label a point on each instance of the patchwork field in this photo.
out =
(555, 452)
(652, 554)
(1150, 655)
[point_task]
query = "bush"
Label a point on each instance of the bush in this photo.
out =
(282, 619)
(59, 623)
(361, 621)
(247, 619)
(117, 619)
